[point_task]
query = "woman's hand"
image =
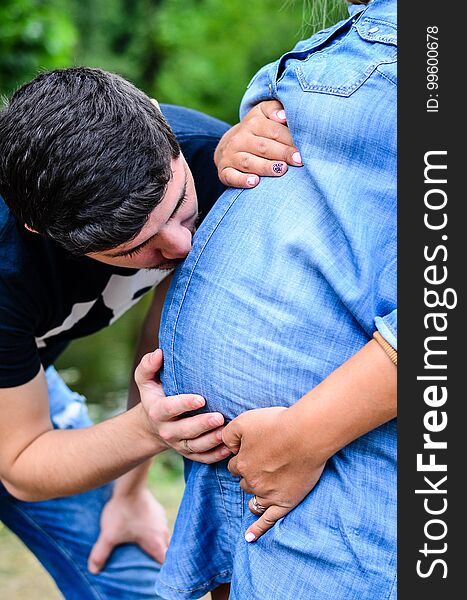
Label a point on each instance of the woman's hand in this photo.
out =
(259, 145)
(281, 452)
(274, 462)
(198, 437)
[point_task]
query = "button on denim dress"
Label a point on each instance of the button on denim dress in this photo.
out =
(285, 282)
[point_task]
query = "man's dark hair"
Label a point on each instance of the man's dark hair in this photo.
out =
(84, 158)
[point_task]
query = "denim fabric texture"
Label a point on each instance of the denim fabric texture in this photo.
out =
(387, 326)
(283, 285)
(62, 532)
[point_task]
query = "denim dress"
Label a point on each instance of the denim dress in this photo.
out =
(285, 282)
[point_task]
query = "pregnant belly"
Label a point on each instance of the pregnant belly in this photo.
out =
(250, 321)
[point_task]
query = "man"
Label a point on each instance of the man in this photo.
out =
(100, 205)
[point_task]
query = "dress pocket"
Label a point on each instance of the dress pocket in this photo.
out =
(341, 67)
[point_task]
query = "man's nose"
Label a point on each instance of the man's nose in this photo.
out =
(176, 243)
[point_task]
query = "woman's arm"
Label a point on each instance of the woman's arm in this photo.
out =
(281, 452)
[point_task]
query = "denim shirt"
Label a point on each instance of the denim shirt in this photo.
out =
(285, 282)
(314, 118)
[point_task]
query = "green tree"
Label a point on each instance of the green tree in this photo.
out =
(34, 35)
(210, 49)
(198, 53)
(116, 35)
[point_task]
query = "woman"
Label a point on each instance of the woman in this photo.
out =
(282, 293)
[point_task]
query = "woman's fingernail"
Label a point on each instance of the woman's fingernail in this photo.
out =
(219, 434)
(215, 421)
(250, 536)
(296, 157)
(278, 168)
(280, 114)
(251, 181)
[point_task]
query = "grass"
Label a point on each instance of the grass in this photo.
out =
(21, 575)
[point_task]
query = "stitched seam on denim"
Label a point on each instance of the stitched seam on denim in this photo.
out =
(390, 327)
(172, 341)
(200, 587)
(345, 90)
(312, 51)
(350, 547)
(223, 499)
(163, 333)
(378, 39)
(307, 86)
(186, 288)
(366, 35)
(59, 548)
(394, 83)
(372, 20)
(394, 583)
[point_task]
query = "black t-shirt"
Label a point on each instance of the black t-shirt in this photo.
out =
(49, 297)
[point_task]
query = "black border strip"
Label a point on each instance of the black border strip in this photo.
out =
(430, 121)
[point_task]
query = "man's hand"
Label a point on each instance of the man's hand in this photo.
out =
(137, 519)
(198, 437)
(273, 462)
(260, 145)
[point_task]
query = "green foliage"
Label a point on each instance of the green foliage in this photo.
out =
(210, 49)
(116, 35)
(198, 53)
(34, 35)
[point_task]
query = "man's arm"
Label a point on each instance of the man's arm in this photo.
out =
(357, 397)
(38, 462)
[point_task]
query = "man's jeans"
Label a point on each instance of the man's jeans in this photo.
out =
(62, 532)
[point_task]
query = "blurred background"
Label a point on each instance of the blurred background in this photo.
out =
(196, 53)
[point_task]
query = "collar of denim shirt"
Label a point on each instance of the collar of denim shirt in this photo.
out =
(385, 10)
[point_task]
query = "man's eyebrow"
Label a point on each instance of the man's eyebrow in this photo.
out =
(180, 200)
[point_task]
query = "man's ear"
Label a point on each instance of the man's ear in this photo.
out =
(30, 229)
(156, 104)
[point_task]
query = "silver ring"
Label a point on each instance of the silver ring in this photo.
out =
(259, 508)
(187, 447)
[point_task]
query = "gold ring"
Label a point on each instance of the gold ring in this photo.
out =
(187, 447)
(259, 508)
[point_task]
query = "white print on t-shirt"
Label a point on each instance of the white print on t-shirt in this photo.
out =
(120, 293)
